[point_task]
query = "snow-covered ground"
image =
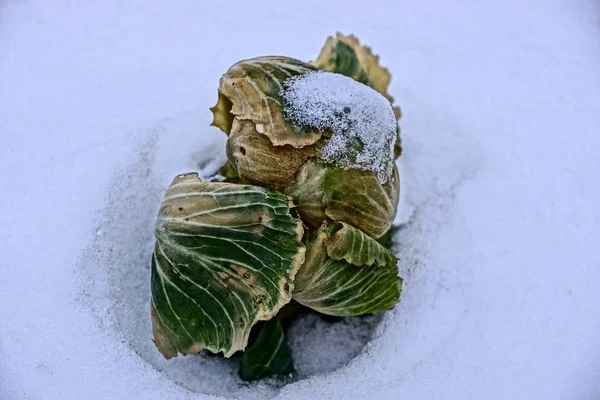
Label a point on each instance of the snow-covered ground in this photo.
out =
(101, 103)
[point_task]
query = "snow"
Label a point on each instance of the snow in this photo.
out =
(320, 346)
(102, 103)
(362, 122)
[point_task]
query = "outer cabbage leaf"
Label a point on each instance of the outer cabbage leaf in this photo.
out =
(251, 90)
(261, 163)
(326, 193)
(347, 273)
(225, 257)
(269, 355)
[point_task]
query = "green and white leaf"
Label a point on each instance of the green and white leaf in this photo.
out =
(345, 239)
(251, 90)
(325, 193)
(225, 257)
(347, 273)
(269, 355)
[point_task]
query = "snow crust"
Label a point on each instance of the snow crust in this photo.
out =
(362, 122)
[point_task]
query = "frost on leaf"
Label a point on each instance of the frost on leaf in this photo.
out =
(361, 121)
(347, 273)
(225, 257)
(345, 55)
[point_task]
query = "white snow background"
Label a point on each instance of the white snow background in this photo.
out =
(102, 103)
